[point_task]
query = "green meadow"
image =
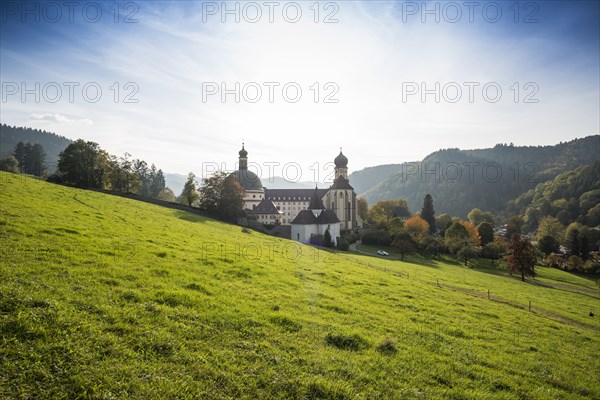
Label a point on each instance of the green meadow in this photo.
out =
(109, 298)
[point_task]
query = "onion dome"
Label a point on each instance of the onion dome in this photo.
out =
(341, 161)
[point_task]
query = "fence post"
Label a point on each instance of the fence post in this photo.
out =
(489, 294)
(438, 282)
(529, 305)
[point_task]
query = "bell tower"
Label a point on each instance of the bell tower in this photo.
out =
(341, 166)
(243, 158)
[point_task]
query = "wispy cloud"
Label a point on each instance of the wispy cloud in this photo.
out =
(59, 118)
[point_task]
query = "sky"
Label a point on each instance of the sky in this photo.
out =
(182, 84)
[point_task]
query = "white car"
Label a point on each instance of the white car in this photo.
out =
(382, 253)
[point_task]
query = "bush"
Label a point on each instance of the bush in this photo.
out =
(377, 237)
(317, 240)
(9, 164)
(343, 244)
(54, 178)
(554, 261)
(350, 237)
(574, 263)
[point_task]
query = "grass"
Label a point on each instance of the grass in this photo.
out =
(105, 297)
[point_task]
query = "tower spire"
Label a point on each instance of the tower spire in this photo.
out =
(243, 158)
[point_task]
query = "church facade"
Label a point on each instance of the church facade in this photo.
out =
(283, 206)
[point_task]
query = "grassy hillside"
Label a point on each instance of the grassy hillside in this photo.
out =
(105, 297)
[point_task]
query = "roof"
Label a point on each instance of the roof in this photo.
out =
(306, 217)
(315, 202)
(341, 160)
(248, 179)
(265, 207)
(341, 183)
(293, 194)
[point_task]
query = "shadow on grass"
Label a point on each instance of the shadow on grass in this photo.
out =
(191, 217)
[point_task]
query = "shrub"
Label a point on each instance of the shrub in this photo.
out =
(343, 244)
(574, 263)
(377, 237)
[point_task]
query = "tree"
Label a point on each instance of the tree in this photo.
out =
(221, 195)
(456, 237)
(443, 222)
(486, 233)
(382, 211)
(395, 227)
(550, 226)
(84, 164)
(123, 177)
(572, 240)
(514, 225)
(433, 245)
(141, 169)
(466, 253)
(327, 242)
(472, 231)
(9, 164)
(157, 182)
(31, 158)
(20, 153)
(521, 258)
(579, 238)
(417, 228)
(548, 245)
(362, 208)
(167, 195)
(405, 245)
(36, 160)
(428, 213)
(189, 194)
(494, 250)
(476, 217)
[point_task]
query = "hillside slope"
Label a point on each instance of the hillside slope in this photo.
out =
(571, 196)
(105, 297)
(366, 178)
(460, 180)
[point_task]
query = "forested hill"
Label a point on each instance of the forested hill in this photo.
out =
(460, 180)
(573, 196)
(52, 143)
(366, 178)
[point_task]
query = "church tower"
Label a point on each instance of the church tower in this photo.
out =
(243, 158)
(341, 197)
(341, 165)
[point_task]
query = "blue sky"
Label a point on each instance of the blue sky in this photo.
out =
(368, 57)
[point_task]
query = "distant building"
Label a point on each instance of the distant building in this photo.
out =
(340, 198)
(265, 212)
(315, 221)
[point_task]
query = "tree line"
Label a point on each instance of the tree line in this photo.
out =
(219, 195)
(390, 224)
(27, 158)
(86, 164)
